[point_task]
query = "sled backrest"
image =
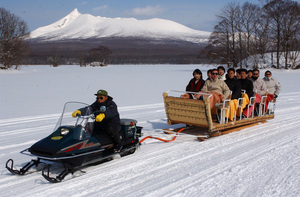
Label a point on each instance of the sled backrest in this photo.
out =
(188, 111)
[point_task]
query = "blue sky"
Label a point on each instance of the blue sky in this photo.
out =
(196, 14)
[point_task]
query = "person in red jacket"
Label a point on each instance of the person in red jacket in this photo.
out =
(195, 84)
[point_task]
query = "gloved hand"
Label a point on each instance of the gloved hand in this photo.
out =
(76, 113)
(100, 117)
(275, 96)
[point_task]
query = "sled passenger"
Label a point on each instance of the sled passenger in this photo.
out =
(238, 73)
(249, 75)
(273, 87)
(216, 87)
(221, 71)
(195, 84)
(233, 83)
(107, 118)
(209, 74)
(259, 85)
(246, 85)
(235, 86)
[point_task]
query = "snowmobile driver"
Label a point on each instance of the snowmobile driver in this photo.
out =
(107, 117)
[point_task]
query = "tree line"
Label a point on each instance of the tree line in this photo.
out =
(241, 31)
(254, 30)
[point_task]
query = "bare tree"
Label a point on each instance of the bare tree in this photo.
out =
(261, 44)
(100, 54)
(295, 51)
(53, 58)
(250, 18)
(251, 30)
(223, 40)
(219, 47)
(284, 22)
(234, 37)
(291, 26)
(13, 32)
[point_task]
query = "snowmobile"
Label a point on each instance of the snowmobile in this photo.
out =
(74, 145)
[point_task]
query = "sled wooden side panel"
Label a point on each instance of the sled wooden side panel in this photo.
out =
(187, 111)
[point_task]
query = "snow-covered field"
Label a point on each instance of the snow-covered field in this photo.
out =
(259, 161)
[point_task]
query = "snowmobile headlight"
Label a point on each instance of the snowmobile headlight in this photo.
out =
(64, 131)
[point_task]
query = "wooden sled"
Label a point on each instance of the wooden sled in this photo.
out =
(198, 115)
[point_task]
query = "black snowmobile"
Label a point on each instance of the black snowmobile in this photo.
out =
(73, 144)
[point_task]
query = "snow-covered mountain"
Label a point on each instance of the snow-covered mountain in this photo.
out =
(83, 26)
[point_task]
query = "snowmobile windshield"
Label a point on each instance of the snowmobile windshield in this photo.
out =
(82, 119)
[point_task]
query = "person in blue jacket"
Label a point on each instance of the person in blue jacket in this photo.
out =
(107, 118)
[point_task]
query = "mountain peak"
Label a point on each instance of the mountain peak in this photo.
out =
(74, 12)
(68, 19)
(83, 26)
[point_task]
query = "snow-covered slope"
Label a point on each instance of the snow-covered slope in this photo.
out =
(82, 26)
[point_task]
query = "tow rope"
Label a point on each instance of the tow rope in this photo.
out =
(157, 138)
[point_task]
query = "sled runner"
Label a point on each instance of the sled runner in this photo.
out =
(202, 120)
(74, 144)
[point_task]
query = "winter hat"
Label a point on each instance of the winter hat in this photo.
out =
(102, 92)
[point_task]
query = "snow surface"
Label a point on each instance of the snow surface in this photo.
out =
(81, 26)
(263, 160)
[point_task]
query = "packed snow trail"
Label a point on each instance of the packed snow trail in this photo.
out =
(259, 161)
(220, 166)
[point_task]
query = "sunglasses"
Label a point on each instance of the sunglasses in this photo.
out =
(255, 74)
(215, 73)
(100, 97)
(268, 74)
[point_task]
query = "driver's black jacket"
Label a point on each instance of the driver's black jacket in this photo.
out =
(112, 116)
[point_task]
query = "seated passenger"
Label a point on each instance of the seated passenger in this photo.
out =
(233, 83)
(216, 87)
(221, 71)
(273, 87)
(259, 85)
(195, 84)
(238, 73)
(209, 74)
(250, 74)
(235, 86)
(246, 85)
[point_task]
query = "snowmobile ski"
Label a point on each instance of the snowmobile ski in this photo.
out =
(24, 169)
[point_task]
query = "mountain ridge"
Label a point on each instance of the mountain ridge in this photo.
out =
(84, 26)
